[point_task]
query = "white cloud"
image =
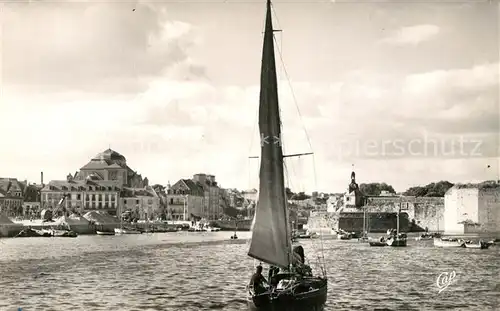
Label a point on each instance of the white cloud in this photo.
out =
(214, 132)
(157, 106)
(412, 35)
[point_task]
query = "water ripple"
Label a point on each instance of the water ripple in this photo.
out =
(190, 271)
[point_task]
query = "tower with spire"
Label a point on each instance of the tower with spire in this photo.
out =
(353, 197)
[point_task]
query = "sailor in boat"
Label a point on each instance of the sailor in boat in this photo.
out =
(258, 281)
(273, 270)
(299, 261)
(279, 280)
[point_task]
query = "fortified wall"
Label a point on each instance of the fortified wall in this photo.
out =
(417, 214)
(322, 222)
(421, 211)
(348, 212)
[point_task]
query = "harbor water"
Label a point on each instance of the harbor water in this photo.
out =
(208, 271)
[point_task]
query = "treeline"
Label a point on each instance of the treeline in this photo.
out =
(437, 189)
(431, 190)
(375, 188)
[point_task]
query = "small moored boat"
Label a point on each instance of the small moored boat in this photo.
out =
(427, 236)
(397, 240)
(105, 232)
(448, 242)
(126, 231)
(478, 245)
(381, 242)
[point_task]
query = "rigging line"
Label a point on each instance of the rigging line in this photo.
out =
(294, 97)
(251, 146)
(305, 129)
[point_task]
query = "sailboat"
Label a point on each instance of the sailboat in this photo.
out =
(395, 237)
(364, 236)
(234, 236)
(271, 241)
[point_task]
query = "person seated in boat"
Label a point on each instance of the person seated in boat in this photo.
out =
(258, 281)
(273, 270)
(273, 276)
(299, 261)
(298, 252)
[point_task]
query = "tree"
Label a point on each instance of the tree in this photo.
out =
(300, 196)
(431, 190)
(159, 188)
(375, 189)
(289, 193)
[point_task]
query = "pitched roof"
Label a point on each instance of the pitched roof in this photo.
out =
(9, 185)
(128, 192)
(57, 185)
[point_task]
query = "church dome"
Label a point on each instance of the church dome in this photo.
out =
(110, 155)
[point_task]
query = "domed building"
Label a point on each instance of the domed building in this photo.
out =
(105, 183)
(111, 165)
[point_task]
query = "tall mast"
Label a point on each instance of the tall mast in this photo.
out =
(271, 234)
(399, 211)
(364, 220)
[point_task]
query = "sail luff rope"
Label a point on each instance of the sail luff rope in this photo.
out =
(306, 133)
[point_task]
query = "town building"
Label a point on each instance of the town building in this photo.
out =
(199, 197)
(111, 166)
(100, 185)
(185, 200)
(11, 197)
(143, 203)
(472, 209)
(213, 199)
(235, 199)
(81, 196)
(252, 194)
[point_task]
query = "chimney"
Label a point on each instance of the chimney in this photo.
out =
(41, 178)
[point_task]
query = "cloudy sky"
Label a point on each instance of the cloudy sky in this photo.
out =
(407, 92)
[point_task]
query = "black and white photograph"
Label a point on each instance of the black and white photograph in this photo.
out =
(260, 155)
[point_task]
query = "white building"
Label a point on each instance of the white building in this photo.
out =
(251, 195)
(472, 209)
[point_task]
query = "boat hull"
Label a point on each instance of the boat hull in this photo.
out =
(314, 300)
(396, 242)
(378, 243)
(105, 233)
(126, 231)
(476, 246)
(444, 243)
(422, 238)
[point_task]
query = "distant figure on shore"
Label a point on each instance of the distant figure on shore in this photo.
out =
(258, 281)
